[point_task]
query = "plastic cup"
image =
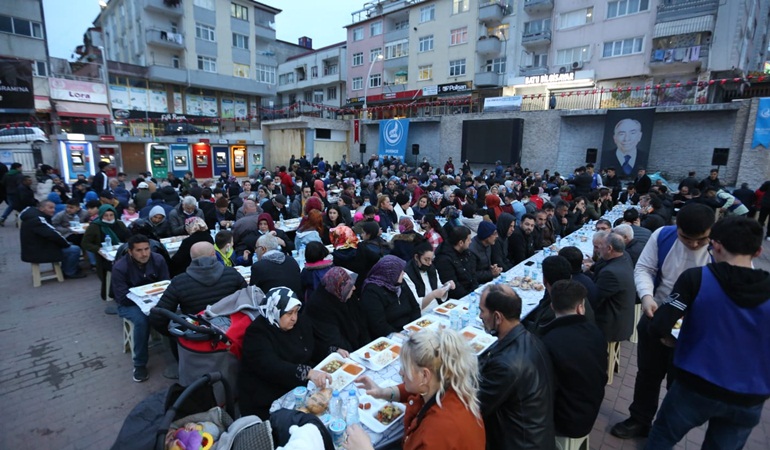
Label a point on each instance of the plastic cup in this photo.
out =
(337, 430)
(299, 396)
(74, 224)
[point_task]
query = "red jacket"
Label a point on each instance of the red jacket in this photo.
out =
(448, 427)
(286, 181)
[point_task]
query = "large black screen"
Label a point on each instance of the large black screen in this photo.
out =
(486, 141)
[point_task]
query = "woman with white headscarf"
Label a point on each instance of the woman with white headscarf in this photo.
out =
(278, 353)
(197, 231)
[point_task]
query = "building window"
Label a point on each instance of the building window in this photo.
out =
(622, 47)
(206, 4)
(626, 7)
(240, 41)
(537, 26)
(264, 18)
(401, 24)
(314, 72)
(425, 73)
(358, 83)
(375, 28)
(241, 70)
(308, 96)
(318, 96)
(501, 31)
(458, 36)
(374, 53)
(286, 78)
(175, 62)
(265, 74)
(460, 6)
(427, 13)
(426, 43)
(21, 27)
(333, 68)
(358, 59)
(204, 32)
(358, 33)
(575, 54)
(496, 65)
(457, 68)
(375, 80)
(331, 93)
(207, 64)
(540, 60)
(576, 18)
(39, 69)
(239, 11)
(397, 49)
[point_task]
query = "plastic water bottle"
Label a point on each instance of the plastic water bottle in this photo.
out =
(216, 227)
(558, 241)
(280, 219)
(335, 405)
(108, 241)
(454, 320)
(351, 416)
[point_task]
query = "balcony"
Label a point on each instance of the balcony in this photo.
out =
(685, 9)
(536, 39)
(531, 71)
(537, 6)
(161, 7)
(396, 63)
(491, 12)
(396, 35)
(676, 59)
(393, 87)
(165, 39)
(487, 79)
(488, 45)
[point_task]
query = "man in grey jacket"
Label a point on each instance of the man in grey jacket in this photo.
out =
(481, 250)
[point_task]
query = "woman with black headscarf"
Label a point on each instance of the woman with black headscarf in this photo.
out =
(386, 305)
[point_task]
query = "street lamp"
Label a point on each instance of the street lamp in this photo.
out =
(366, 82)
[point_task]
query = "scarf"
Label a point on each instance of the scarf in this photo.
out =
(343, 237)
(108, 229)
(276, 303)
(386, 272)
(318, 186)
(339, 283)
(225, 256)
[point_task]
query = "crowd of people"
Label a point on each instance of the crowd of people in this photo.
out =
(404, 240)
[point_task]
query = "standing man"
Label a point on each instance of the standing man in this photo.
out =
(722, 372)
(643, 183)
(516, 377)
(138, 267)
(670, 251)
(99, 183)
(615, 291)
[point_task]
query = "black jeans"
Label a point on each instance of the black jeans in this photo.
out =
(653, 361)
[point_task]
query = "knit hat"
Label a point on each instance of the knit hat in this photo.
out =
(486, 229)
(280, 198)
(157, 209)
(143, 185)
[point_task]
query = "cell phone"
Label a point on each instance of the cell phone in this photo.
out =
(529, 263)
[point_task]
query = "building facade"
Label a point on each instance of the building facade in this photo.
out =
(316, 77)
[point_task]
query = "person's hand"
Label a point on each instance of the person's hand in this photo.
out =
(366, 383)
(344, 353)
(319, 378)
(273, 233)
(449, 285)
(246, 254)
(564, 221)
(357, 439)
(281, 242)
(668, 341)
(649, 306)
(496, 270)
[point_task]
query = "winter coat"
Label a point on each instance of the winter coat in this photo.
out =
(40, 242)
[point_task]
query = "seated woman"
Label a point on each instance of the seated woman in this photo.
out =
(421, 278)
(422, 207)
(265, 225)
(402, 207)
(197, 231)
(371, 249)
(310, 229)
(406, 240)
(386, 305)
(338, 321)
(345, 244)
(440, 390)
(316, 266)
(332, 219)
(278, 353)
(106, 224)
(432, 231)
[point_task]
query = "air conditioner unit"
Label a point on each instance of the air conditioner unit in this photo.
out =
(577, 65)
(564, 69)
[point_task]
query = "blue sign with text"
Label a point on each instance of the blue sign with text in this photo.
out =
(762, 126)
(393, 135)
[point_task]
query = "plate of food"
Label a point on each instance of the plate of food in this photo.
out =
(479, 340)
(342, 370)
(526, 284)
(150, 289)
(426, 322)
(379, 353)
(379, 415)
(448, 306)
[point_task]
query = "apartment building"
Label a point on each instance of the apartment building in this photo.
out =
(316, 76)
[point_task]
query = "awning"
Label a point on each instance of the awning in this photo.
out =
(684, 26)
(74, 109)
(42, 104)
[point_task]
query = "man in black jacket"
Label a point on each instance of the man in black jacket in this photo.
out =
(41, 243)
(521, 244)
(99, 182)
(616, 291)
(454, 262)
(273, 267)
(11, 181)
(579, 355)
(516, 385)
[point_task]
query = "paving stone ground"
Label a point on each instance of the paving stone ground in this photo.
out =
(66, 384)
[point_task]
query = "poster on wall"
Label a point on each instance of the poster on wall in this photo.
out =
(762, 125)
(119, 97)
(138, 99)
(241, 108)
(178, 109)
(627, 138)
(228, 108)
(253, 111)
(194, 105)
(393, 135)
(16, 88)
(209, 107)
(158, 101)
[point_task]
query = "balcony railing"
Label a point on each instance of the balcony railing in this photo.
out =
(487, 79)
(491, 12)
(696, 54)
(535, 6)
(165, 38)
(164, 7)
(488, 45)
(685, 9)
(536, 38)
(531, 71)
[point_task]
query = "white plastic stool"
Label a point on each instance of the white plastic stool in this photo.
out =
(54, 274)
(128, 336)
(613, 361)
(637, 316)
(565, 443)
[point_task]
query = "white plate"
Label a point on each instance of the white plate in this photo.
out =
(369, 416)
(378, 359)
(448, 306)
(426, 322)
(340, 376)
(479, 340)
(150, 289)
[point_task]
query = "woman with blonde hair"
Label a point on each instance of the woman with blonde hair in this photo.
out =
(440, 374)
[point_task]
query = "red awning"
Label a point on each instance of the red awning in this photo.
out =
(75, 109)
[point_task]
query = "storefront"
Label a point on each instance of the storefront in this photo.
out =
(81, 106)
(560, 90)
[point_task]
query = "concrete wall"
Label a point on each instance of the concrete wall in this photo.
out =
(754, 167)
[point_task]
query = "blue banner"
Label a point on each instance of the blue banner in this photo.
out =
(762, 127)
(393, 135)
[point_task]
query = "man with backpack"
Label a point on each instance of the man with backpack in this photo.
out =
(670, 251)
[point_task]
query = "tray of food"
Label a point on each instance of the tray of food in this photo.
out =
(379, 353)
(379, 415)
(150, 289)
(448, 306)
(426, 322)
(526, 284)
(479, 340)
(342, 370)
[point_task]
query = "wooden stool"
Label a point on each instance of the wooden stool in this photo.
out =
(565, 443)
(613, 361)
(55, 273)
(637, 316)
(128, 336)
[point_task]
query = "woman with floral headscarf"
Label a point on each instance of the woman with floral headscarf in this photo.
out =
(406, 240)
(338, 321)
(197, 231)
(345, 243)
(386, 305)
(279, 353)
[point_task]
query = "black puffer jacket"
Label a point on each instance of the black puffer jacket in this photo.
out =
(516, 393)
(40, 242)
(459, 267)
